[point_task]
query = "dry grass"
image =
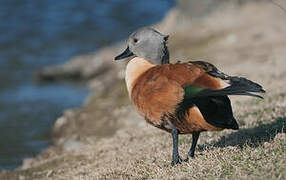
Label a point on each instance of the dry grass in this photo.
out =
(257, 151)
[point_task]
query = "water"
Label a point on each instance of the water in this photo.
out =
(34, 34)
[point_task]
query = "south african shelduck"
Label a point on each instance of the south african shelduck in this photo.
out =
(181, 98)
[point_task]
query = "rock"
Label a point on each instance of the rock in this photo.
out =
(50, 173)
(165, 164)
(267, 145)
(27, 163)
(70, 145)
(280, 136)
(60, 122)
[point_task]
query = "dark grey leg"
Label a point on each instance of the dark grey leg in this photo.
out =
(176, 157)
(193, 147)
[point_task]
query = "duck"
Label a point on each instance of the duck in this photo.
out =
(180, 98)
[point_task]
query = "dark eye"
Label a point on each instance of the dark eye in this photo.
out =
(135, 40)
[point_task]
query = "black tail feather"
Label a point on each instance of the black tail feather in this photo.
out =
(245, 84)
(225, 92)
(238, 86)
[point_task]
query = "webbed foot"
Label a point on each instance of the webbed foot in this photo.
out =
(176, 160)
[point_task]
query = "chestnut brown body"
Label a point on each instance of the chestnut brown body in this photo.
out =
(156, 92)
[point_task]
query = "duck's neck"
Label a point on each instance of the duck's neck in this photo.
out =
(136, 67)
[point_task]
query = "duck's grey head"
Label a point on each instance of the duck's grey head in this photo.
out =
(149, 44)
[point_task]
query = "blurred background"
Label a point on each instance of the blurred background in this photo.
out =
(34, 34)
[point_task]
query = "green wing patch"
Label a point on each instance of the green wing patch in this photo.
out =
(192, 91)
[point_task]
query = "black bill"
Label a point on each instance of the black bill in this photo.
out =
(125, 54)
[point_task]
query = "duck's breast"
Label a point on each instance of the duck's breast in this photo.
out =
(155, 95)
